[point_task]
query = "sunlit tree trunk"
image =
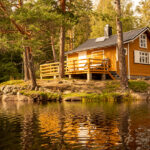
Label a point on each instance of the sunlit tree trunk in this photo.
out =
(122, 62)
(20, 2)
(62, 42)
(26, 70)
(31, 67)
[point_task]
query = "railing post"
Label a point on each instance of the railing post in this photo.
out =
(89, 75)
(40, 72)
(70, 77)
(58, 68)
(104, 73)
(73, 65)
(104, 66)
(88, 64)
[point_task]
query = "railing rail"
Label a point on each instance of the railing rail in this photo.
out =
(76, 67)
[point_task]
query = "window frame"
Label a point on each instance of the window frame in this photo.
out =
(144, 40)
(144, 57)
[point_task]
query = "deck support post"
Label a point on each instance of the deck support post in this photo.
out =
(89, 76)
(70, 76)
(55, 77)
(103, 76)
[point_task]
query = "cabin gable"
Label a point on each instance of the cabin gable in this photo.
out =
(101, 53)
(140, 55)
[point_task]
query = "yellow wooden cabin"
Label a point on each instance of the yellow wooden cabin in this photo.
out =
(100, 56)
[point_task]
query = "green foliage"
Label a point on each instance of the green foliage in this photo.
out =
(106, 14)
(43, 19)
(111, 86)
(104, 96)
(12, 82)
(44, 95)
(138, 86)
(143, 9)
(10, 65)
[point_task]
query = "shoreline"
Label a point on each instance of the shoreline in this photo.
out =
(73, 90)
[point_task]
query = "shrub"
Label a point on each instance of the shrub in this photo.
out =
(138, 86)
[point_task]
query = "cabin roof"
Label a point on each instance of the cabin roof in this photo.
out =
(111, 41)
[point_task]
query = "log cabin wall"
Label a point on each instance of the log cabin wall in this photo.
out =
(109, 52)
(135, 68)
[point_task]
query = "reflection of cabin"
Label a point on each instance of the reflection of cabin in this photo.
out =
(100, 56)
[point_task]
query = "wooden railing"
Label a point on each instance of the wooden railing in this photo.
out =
(76, 67)
(87, 65)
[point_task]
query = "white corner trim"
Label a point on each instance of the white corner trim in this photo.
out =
(128, 61)
(116, 53)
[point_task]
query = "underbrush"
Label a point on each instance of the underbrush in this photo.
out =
(42, 95)
(138, 86)
(94, 97)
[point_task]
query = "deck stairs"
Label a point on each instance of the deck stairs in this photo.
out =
(115, 75)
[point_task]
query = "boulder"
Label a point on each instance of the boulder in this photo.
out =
(9, 98)
(60, 82)
(2, 88)
(76, 98)
(67, 92)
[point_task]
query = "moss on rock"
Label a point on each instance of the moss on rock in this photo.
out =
(38, 95)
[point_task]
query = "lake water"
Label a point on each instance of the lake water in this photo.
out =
(75, 126)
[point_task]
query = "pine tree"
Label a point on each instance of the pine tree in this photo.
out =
(122, 62)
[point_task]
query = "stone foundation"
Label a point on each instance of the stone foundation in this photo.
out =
(140, 77)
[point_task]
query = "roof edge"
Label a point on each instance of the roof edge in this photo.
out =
(125, 42)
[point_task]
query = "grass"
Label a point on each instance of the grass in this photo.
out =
(138, 86)
(111, 86)
(92, 97)
(12, 82)
(44, 95)
(109, 92)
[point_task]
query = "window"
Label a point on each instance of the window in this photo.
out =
(141, 57)
(143, 41)
(98, 54)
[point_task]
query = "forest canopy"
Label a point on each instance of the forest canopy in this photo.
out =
(41, 21)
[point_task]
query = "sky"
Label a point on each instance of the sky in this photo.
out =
(135, 2)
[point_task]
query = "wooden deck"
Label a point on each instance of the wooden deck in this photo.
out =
(82, 66)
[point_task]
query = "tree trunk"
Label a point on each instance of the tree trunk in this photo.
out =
(26, 69)
(61, 55)
(31, 68)
(62, 42)
(122, 62)
(53, 49)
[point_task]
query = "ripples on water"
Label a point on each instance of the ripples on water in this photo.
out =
(74, 126)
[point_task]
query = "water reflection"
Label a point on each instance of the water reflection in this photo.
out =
(77, 126)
